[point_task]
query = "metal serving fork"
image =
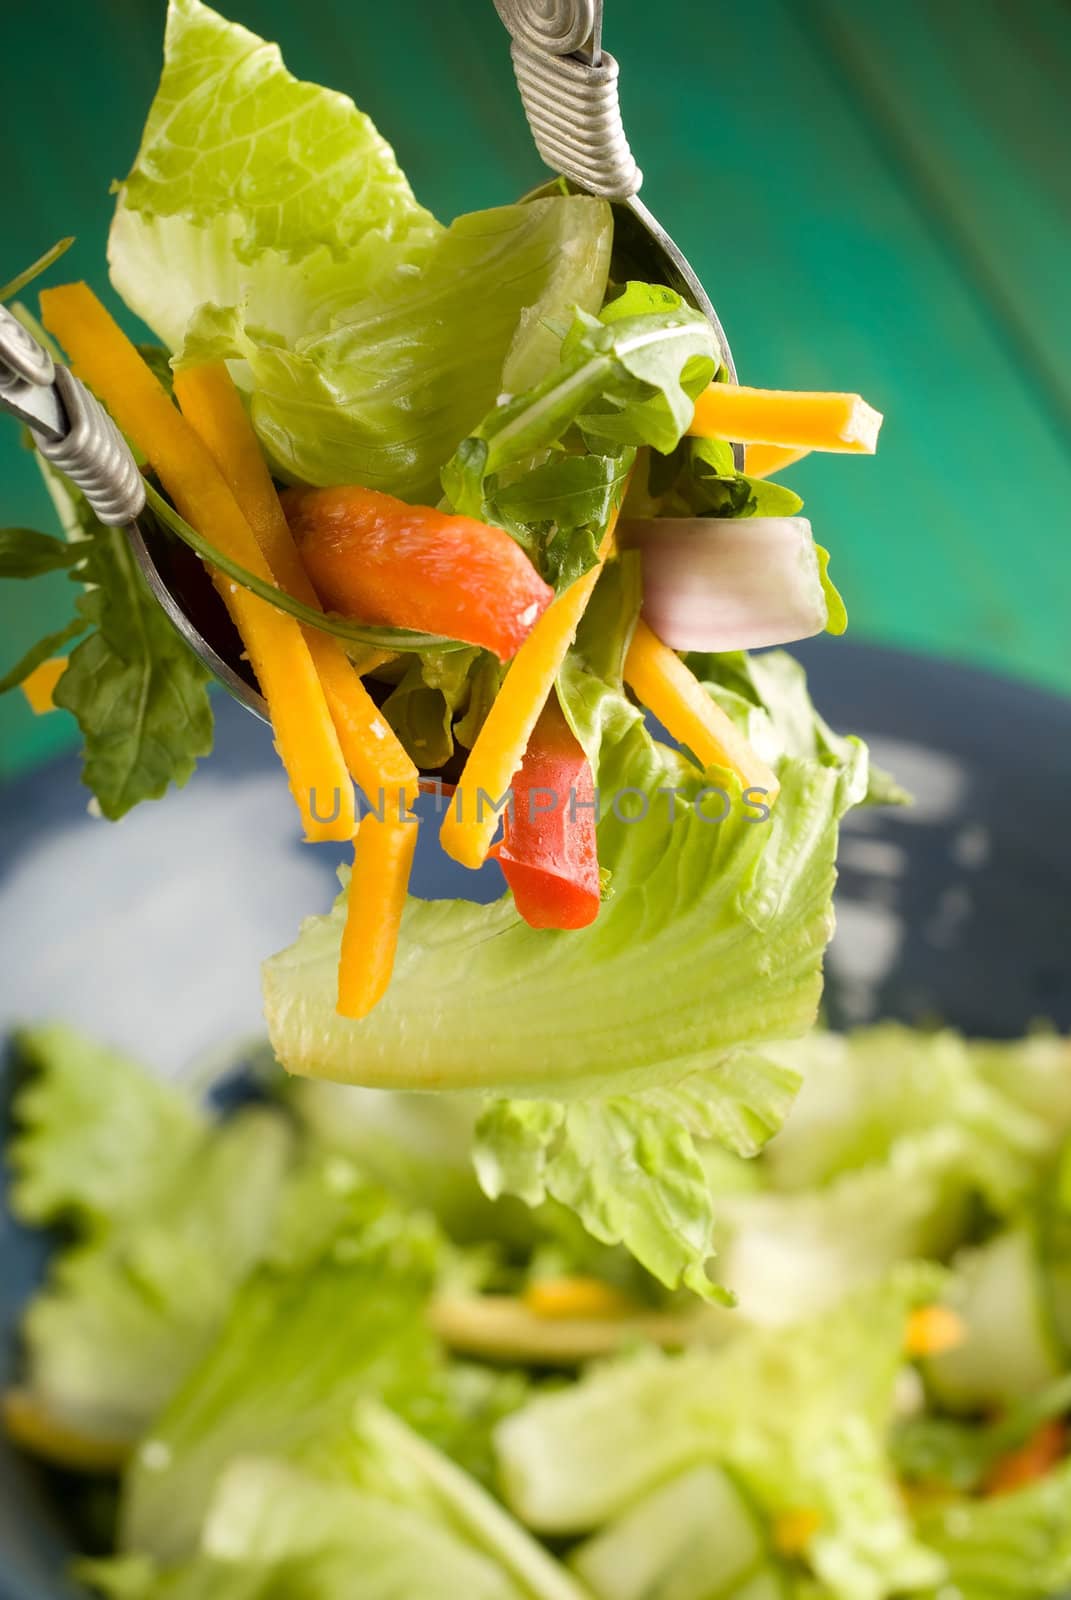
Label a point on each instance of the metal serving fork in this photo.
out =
(568, 86)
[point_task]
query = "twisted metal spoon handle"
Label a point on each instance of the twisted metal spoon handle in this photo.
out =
(70, 427)
(568, 86)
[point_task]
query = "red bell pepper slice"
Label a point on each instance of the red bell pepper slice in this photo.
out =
(380, 560)
(548, 852)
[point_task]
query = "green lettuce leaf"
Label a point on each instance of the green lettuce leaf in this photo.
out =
(1033, 1073)
(731, 916)
(383, 395)
(266, 220)
(631, 1167)
(334, 1312)
(426, 701)
(170, 1213)
(378, 1500)
(252, 188)
(96, 1138)
(1007, 1547)
(866, 1092)
(790, 1255)
(798, 1417)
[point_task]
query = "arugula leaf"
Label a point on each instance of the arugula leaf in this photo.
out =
(26, 554)
(559, 510)
(622, 381)
(699, 479)
(138, 692)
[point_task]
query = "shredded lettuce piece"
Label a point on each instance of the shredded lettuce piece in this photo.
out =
(1008, 1547)
(798, 1416)
(333, 1313)
(170, 1212)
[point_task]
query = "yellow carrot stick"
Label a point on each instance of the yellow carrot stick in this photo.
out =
(213, 407)
(469, 825)
(842, 422)
(382, 861)
(762, 460)
(664, 685)
(38, 685)
(305, 735)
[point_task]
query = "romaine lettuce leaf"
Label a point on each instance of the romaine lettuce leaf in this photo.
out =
(712, 937)
(797, 1415)
(377, 1501)
(169, 1212)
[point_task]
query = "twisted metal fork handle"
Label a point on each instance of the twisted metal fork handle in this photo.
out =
(568, 87)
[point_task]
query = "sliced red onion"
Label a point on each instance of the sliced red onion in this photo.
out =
(728, 583)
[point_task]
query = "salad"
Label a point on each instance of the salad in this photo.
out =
(314, 1355)
(470, 499)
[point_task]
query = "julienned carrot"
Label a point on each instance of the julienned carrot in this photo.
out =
(664, 685)
(382, 861)
(305, 734)
(842, 422)
(469, 825)
(762, 460)
(213, 407)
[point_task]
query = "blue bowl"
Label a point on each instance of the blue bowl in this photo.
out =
(149, 934)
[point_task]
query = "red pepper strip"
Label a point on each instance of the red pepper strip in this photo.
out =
(548, 853)
(381, 560)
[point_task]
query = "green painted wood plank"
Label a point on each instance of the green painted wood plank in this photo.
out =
(974, 112)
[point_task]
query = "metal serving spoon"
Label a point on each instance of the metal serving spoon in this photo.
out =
(568, 86)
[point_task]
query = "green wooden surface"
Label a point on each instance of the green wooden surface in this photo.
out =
(878, 196)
